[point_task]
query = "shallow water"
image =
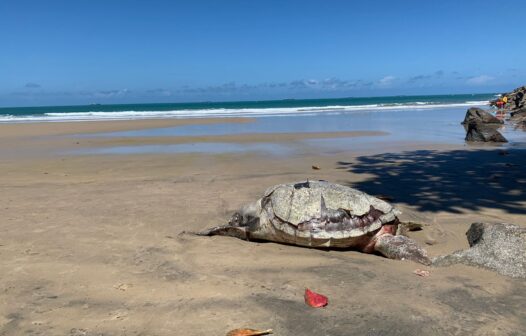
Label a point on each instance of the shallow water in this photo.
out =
(439, 126)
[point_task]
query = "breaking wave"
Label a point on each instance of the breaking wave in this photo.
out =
(231, 112)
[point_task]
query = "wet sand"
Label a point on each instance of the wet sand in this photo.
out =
(92, 244)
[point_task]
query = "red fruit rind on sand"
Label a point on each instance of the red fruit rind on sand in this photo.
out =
(314, 299)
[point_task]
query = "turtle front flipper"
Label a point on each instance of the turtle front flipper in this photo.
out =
(225, 230)
(401, 247)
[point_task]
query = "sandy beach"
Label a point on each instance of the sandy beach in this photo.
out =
(297, 168)
(93, 244)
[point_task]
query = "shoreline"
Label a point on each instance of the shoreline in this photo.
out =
(239, 109)
(293, 135)
(41, 128)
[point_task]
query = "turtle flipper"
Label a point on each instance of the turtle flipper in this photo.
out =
(226, 230)
(401, 247)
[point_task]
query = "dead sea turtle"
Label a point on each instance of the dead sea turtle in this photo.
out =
(324, 215)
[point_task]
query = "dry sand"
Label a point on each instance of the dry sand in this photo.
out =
(91, 245)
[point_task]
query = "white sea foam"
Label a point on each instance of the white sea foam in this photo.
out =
(223, 113)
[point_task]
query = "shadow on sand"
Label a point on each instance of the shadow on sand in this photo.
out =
(450, 181)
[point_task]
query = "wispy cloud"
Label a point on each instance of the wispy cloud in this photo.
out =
(109, 93)
(329, 84)
(82, 93)
(332, 86)
(160, 92)
(31, 85)
(479, 80)
(226, 88)
(426, 77)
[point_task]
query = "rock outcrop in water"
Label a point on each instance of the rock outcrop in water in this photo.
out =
(517, 106)
(498, 247)
(479, 132)
(482, 126)
(516, 98)
(476, 114)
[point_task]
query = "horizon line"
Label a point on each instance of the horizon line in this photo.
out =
(247, 101)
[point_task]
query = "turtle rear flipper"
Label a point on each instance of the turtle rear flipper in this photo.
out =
(401, 247)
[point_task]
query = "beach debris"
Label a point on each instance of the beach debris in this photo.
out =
(314, 299)
(320, 214)
(413, 226)
(316, 167)
(498, 247)
(422, 273)
(248, 332)
(405, 227)
(431, 241)
(123, 287)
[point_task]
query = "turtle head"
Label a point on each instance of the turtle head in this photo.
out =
(246, 217)
(239, 225)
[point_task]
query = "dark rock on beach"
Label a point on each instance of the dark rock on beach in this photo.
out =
(480, 132)
(482, 126)
(518, 112)
(498, 247)
(518, 117)
(476, 114)
(516, 98)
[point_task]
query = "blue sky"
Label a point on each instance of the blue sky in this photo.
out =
(78, 52)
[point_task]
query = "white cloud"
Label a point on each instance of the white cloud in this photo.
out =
(386, 81)
(479, 80)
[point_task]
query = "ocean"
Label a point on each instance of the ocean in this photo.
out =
(287, 107)
(395, 120)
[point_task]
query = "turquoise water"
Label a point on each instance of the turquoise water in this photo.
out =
(239, 109)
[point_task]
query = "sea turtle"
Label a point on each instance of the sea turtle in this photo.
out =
(323, 215)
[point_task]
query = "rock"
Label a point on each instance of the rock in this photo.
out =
(519, 113)
(498, 247)
(516, 98)
(479, 132)
(518, 118)
(479, 115)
